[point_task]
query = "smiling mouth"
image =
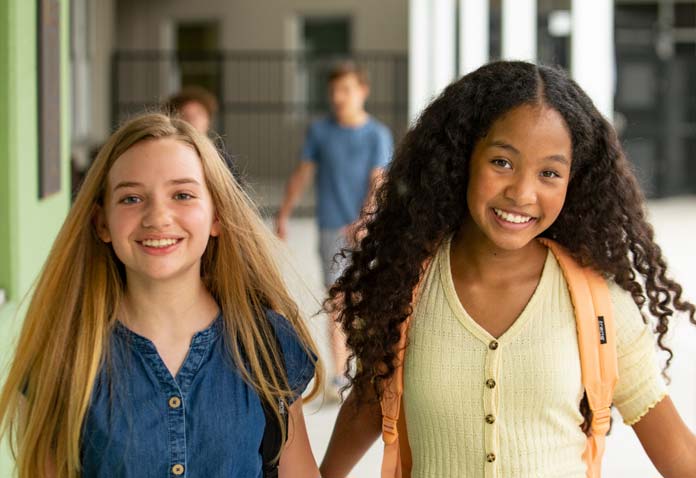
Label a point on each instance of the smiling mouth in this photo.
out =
(159, 243)
(511, 217)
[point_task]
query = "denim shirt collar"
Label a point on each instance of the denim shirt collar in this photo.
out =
(142, 344)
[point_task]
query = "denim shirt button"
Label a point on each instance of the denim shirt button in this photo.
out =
(178, 469)
(174, 402)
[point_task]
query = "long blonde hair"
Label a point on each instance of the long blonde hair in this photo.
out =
(64, 339)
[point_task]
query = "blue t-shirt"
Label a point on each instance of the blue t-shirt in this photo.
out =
(207, 423)
(345, 158)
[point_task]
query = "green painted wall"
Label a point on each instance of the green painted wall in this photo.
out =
(4, 173)
(28, 225)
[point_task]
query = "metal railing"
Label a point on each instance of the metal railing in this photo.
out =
(267, 99)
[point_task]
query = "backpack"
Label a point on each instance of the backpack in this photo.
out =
(272, 440)
(596, 342)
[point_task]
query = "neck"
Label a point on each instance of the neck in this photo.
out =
(158, 309)
(481, 261)
(357, 118)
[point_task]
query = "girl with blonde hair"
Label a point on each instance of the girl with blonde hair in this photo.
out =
(160, 339)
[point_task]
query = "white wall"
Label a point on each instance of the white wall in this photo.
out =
(92, 32)
(104, 40)
(265, 143)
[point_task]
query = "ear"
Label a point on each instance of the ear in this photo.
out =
(215, 228)
(99, 221)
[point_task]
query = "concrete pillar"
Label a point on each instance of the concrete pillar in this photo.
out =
(418, 62)
(431, 51)
(593, 63)
(473, 34)
(519, 30)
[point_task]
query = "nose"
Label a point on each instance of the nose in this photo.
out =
(336, 99)
(156, 215)
(522, 189)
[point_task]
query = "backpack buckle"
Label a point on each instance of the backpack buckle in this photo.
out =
(601, 420)
(389, 430)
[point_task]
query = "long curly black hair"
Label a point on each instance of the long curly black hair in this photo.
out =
(423, 200)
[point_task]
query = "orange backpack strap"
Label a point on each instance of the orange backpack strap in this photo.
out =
(594, 320)
(396, 461)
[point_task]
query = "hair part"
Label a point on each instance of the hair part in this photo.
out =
(76, 301)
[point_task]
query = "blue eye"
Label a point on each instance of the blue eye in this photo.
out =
(183, 196)
(130, 200)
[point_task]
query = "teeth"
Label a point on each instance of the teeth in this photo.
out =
(515, 218)
(159, 242)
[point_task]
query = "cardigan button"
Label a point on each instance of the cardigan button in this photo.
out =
(490, 458)
(493, 345)
(490, 383)
(490, 419)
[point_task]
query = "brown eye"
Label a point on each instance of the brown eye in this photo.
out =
(550, 174)
(503, 163)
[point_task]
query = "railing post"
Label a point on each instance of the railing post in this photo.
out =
(222, 117)
(114, 89)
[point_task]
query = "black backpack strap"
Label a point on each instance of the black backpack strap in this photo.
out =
(272, 443)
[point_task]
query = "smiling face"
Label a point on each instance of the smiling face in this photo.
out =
(158, 213)
(519, 174)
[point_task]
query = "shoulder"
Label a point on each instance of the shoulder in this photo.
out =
(621, 299)
(299, 360)
(282, 327)
(640, 385)
(379, 128)
(319, 129)
(632, 330)
(625, 308)
(321, 124)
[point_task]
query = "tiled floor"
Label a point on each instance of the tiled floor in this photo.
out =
(675, 225)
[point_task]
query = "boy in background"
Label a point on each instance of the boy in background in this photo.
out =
(345, 153)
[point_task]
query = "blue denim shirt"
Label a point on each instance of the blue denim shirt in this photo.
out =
(205, 423)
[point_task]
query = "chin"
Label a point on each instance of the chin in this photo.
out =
(511, 244)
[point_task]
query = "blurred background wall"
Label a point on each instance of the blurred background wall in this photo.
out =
(267, 61)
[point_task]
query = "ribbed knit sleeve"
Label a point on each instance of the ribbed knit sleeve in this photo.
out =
(640, 386)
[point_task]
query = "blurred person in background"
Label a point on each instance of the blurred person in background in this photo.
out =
(347, 151)
(198, 106)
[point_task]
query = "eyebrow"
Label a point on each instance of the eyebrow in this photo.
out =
(133, 184)
(503, 145)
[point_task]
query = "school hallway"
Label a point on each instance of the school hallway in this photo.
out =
(675, 226)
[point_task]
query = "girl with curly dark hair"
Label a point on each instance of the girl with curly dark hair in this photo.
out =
(507, 154)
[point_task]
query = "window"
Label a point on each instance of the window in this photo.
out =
(324, 40)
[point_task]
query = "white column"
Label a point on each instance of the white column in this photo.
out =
(473, 34)
(519, 30)
(592, 51)
(418, 58)
(431, 51)
(444, 44)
